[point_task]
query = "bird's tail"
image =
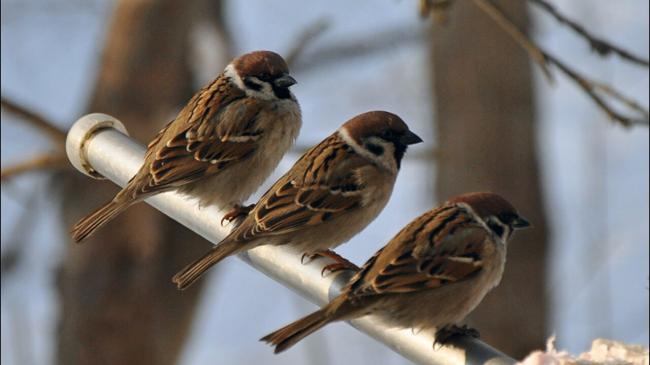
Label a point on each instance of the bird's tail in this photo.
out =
(193, 271)
(289, 335)
(90, 223)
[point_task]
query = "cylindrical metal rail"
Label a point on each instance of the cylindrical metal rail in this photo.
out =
(98, 146)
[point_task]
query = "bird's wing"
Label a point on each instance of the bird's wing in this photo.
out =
(215, 129)
(321, 186)
(441, 247)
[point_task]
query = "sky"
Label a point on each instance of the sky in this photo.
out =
(595, 174)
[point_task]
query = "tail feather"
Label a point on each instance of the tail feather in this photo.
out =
(193, 271)
(90, 223)
(289, 335)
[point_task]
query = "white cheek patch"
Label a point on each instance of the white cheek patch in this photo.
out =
(506, 229)
(470, 211)
(345, 136)
(265, 93)
(386, 159)
(234, 77)
(478, 219)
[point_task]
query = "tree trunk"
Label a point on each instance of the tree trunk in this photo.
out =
(118, 303)
(485, 127)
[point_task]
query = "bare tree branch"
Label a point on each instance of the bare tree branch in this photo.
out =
(55, 159)
(599, 45)
(35, 120)
(307, 36)
(44, 161)
(590, 87)
(616, 95)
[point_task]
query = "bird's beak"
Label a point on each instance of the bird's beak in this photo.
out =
(410, 138)
(285, 81)
(520, 223)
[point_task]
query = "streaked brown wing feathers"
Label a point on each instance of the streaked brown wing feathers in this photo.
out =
(318, 194)
(217, 130)
(292, 207)
(427, 254)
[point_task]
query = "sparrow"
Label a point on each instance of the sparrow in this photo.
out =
(432, 274)
(330, 194)
(222, 145)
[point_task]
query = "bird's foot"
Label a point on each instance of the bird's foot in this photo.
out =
(446, 333)
(237, 211)
(340, 263)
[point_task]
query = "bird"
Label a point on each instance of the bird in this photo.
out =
(221, 146)
(330, 194)
(433, 273)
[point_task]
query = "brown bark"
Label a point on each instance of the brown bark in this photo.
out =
(118, 304)
(485, 125)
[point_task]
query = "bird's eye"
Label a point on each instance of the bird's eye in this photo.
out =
(374, 148)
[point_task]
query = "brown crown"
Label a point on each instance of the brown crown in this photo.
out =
(374, 123)
(486, 204)
(260, 63)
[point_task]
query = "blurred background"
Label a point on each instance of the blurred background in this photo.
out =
(489, 117)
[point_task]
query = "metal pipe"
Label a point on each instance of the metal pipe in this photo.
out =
(98, 146)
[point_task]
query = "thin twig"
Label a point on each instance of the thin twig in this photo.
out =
(305, 38)
(616, 95)
(45, 161)
(55, 133)
(588, 86)
(599, 45)
(48, 160)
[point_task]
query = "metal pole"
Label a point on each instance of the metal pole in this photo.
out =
(98, 146)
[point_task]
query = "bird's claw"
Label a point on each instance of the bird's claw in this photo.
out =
(340, 263)
(308, 255)
(236, 212)
(338, 266)
(446, 333)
